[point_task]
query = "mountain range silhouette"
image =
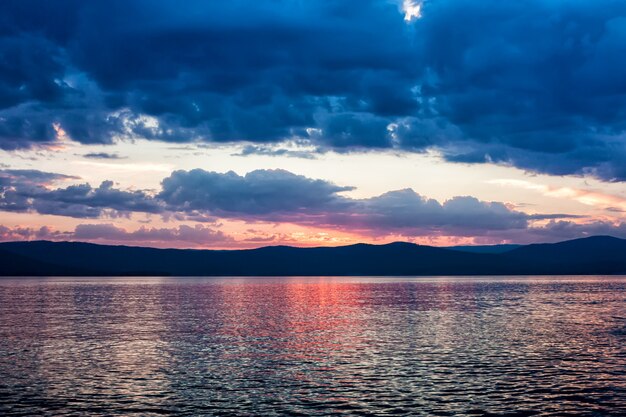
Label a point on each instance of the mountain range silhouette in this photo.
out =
(591, 255)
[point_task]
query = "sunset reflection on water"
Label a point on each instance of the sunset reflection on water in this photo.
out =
(274, 346)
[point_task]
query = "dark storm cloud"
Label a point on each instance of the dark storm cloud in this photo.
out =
(536, 84)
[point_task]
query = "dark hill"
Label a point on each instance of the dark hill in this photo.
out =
(485, 248)
(598, 255)
(592, 255)
(15, 264)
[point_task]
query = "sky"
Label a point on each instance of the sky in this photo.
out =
(239, 124)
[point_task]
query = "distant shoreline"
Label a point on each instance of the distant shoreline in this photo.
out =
(599, 255)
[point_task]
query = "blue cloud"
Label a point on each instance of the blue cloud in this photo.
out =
(535, 84)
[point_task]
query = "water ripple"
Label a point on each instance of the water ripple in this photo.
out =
(314, 346)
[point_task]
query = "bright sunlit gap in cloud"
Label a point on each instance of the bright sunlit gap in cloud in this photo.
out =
(412, 10)
(589, 198)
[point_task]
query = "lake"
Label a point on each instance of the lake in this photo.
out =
(313, 346)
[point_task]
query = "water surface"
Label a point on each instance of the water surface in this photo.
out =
(313, 346)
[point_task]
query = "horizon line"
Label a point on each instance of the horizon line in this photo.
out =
(308, 247)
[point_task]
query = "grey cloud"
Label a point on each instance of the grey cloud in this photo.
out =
(196, 235)
(556, 231)
(283, 197)
(31, 176)
(29, 190)
(29, 233)
(102, 155)
(259, 192)
(183, 235)
(271, 151)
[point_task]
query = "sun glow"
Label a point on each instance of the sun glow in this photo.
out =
(412, 10)
(589, 198)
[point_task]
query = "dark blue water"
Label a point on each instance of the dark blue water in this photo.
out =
(313, 346)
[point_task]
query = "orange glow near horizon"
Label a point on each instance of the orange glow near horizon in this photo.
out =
(143, 165)
(238, 235)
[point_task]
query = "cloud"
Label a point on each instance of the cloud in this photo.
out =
(262, 195)
(407, 213)
(16, 185)
(569, 230)
(258, 193)
(17, 233)
(31, 177)
(200, 236)
(181, 236)
(102, 155)
(278, 196)
(534, 84)
(527, 83)
(590, 198)
(85, 201)
(197, 235)
(558, 230)
(281, 196)
(272, 151)
(30, 191)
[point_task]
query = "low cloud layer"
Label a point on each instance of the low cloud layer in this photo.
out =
(30, 191)
(181, 236)
(274, 196)
(557, 231)
(200, 236)
(536, 84)
(258, 193)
